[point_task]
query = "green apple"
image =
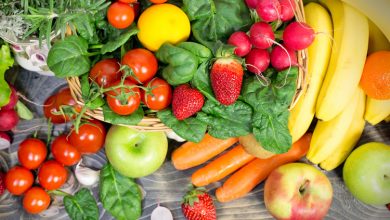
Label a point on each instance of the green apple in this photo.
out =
(297, 191)
(134, 153)
(366, 173)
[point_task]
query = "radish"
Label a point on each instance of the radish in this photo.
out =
(283, 58)
(257, 61)
(251, 3)
(268, 10)
(5, 140)
(13, 99)
(261, 35)
(241, 41)
(9, 119)
(287, 9)
(298, 35)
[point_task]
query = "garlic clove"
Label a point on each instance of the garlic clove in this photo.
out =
(172, 135)
(86, 176)
(161, 213)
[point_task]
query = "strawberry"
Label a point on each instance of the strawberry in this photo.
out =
(198, 205)
(2, 183)
(186, 101)
(226, 79)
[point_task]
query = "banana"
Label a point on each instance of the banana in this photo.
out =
(377, 40)
(349, 141)
(347, 59)
(328, 135)
(303, 112)
(376, 110)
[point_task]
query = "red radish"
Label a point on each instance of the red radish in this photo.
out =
(9, 119)
(261, 35)
(5, 140)
(257, 61)
(251, 3)
(283, 58)
(287, 9)
(13, 99)
(298, 35)
(268, 10)
(241, 41)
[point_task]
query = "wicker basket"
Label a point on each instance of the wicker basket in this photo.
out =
(152, 123)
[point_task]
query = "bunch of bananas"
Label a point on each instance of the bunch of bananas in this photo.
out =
(335, 64)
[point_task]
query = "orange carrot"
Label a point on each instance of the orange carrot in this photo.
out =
(222, 166)
(192, 154)
(252, 174)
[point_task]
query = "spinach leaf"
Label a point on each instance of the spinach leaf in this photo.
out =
(270, 104)
(6, 62)
(202, 81)
(117, 42)
(226, 121)
(113, 118)
(182, 64)
(213, 20)
(69, 57)
(81, 206)
(190, 129)
(201, 52)
(120, 195)
(85, 25)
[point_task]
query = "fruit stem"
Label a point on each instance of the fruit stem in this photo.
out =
(303, 187)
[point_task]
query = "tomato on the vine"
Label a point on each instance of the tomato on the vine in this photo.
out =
(64, 152)
(31, 153)
(18, 180)
(143, 63)
(124, 101)
(90, 137)
(52, 175)
(105, 72)
(120, 15)
(59, 100)
(161, 95)
(36, 200)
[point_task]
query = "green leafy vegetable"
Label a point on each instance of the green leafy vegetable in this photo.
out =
(23, 111)
(190, 129)
(113, 118)
(226, 121)
(182, 64)
(6, 62)
(201, 52)
(85, 26)
(270, 104)
(69, 57)
(213, 20)
(81, 206)
(120, 195)
(202, 81)
(117, 42)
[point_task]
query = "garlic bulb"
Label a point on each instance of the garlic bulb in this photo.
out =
(161, 213)
(86, 176)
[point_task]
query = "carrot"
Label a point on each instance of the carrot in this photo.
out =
(192, 154)
(222, 166)
(252, 174)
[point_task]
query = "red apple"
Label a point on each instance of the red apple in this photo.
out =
(298, 191)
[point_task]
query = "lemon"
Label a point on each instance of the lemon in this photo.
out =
(162, 23)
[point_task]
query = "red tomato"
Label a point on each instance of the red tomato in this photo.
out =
(127, 1)
(52, 175)
(142, 62)
(126, 102)
(61, 99)
(120, 15)
(90, 138)
(36, 200)
(31, 153)
(105, 72)
(158, 1)
(18, 180)
(162, 94)
(64, 152)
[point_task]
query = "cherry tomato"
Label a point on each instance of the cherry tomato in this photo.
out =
(105, 72)
(61, 99)
(162, 94)
(158, 1)
(31, 153)
(142, 62)
(18, 180)
(120, 15)
(64, 152)
(36, 200)
(126, 102)
(90, 138)
(128, 1)
(52, 175)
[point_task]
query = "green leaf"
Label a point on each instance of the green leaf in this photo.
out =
(69, 57)
(226, 121)
(81, 206)
(85, 25)
(113, 118)
(95, 103)
(201, 52)
(114, 44)
(190, 129)
(6, 62)
(120, 195)
(202, 81)
(23, 111)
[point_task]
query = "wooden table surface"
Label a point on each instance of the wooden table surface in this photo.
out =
(166, 186)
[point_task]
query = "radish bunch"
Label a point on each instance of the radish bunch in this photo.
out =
(8, 119)
(260, 46)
